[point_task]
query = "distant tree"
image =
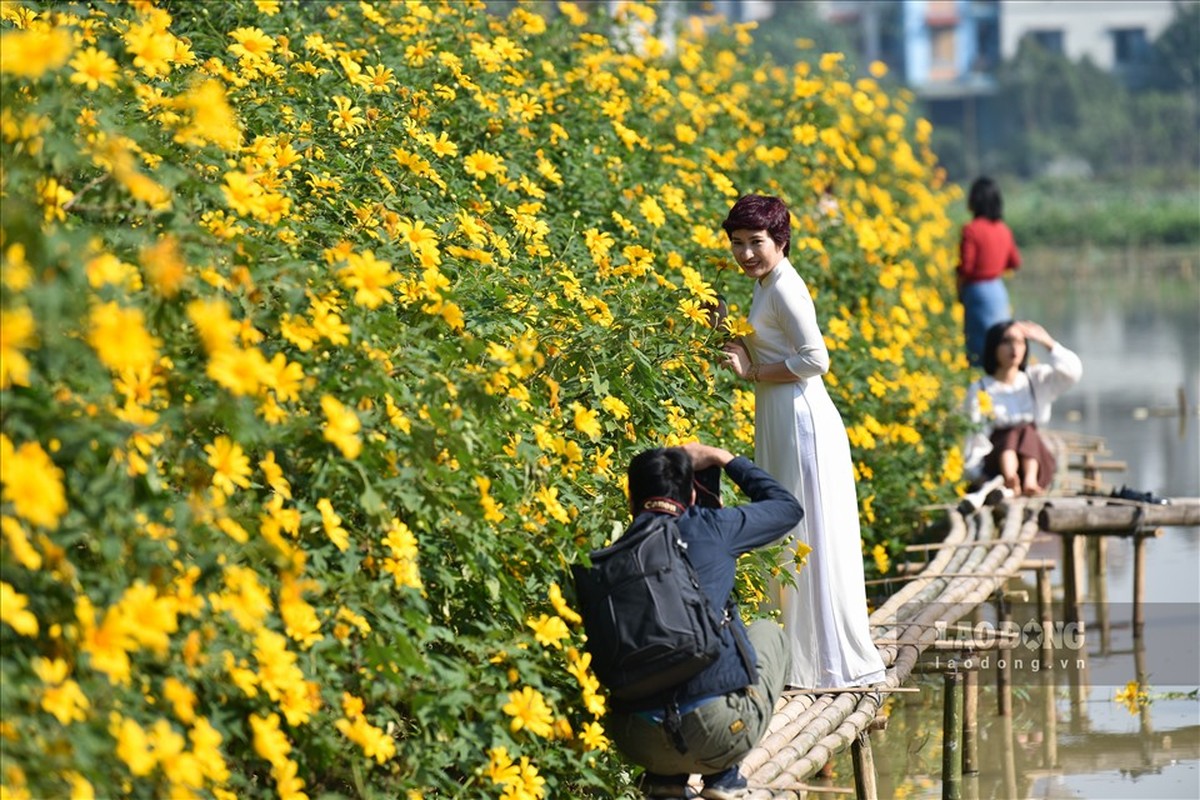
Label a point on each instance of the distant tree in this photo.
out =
(1176, 52)
(795, 21)
(1060, 110)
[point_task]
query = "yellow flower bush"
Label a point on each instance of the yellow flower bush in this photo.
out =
(327, 330)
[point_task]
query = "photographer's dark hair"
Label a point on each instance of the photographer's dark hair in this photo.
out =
(991, 341)
(985, 200)
(665, 472)
(756, 212)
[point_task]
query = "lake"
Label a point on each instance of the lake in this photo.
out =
(1134, 319)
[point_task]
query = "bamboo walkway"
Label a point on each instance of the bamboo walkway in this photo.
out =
(973, 563)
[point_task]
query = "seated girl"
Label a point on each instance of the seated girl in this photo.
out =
(1011, 401)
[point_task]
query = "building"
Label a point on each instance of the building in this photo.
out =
(1115, 36)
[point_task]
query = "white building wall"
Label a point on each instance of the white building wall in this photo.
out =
(1086, 25)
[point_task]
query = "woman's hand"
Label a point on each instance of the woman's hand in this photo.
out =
(1036, 333)
(737, 359)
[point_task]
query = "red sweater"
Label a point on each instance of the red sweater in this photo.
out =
(987, 249)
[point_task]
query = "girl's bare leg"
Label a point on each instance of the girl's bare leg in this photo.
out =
(1008, 469)
(1031, 477)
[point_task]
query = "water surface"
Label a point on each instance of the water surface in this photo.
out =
(1134, 319)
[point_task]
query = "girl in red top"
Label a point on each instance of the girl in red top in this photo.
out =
(987, 252)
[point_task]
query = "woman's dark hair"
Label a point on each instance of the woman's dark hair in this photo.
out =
(661, 472)
(756, 212)
(991, 341)
(984, 199)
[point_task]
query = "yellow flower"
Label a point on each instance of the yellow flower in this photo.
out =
(369, 277)
(283, 377)
(561, 607)
(250, 44)
(341, 427)
(549, 631)
(94, 68)
(13, 611)
(481, 164)
(986, 408)
(530, 784)
(206, 745)
(32, 53)
(1134, 697)
(587, 422)
(212, 118)
(152, 48)
(882, 561)
(501, 768)
(801, 555)
(32, 483)
(694, 311)
(593, 737)
(829, 61)
(133, 745)
(528, 710)
(18, 332)
(270, 742)
(274, 475)
(165, 270)
(402, 564)
(119, 337)
(19, 545)
(346, 116)
(182, 699)
(653, 212)
(333, 525)
(492, 511)
(230, 464)
(379, 79)
(241, 371)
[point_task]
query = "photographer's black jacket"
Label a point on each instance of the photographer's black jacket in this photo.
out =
(715, 538)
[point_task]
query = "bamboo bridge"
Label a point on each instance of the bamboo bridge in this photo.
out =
(971, 566)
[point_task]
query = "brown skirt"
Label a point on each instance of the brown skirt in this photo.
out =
(1027, 443)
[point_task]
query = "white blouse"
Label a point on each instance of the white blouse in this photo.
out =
(784, 319)
(1027, 399)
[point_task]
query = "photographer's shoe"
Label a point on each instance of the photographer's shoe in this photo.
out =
(727, 785)
(655, 785)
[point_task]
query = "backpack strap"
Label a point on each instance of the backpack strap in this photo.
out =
(673, 725)
(743, 647)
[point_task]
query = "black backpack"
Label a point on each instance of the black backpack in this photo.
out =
(649, 625)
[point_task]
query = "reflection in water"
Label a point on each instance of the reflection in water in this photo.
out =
(1127, 724)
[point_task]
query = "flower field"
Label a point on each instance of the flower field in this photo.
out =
(327, 332)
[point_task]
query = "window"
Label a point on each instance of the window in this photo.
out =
(943, 46)
(1130, 46)
(1049, 40)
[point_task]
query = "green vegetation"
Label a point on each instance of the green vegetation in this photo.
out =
(1101, 214)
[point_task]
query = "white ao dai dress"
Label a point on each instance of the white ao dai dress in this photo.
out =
(801, 441)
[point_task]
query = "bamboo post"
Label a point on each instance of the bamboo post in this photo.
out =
(1010, 758)
(1098, 583)
(952, 738)
(1139, 582)
(971, 723)
(1049, 721)
(1045, 611)
(1145, 728)
(865, 787)
(1003, 665)
(1071, 580)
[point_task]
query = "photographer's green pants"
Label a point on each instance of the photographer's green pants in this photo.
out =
(718, 733)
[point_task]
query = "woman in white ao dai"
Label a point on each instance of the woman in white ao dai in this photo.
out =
(801, 441)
